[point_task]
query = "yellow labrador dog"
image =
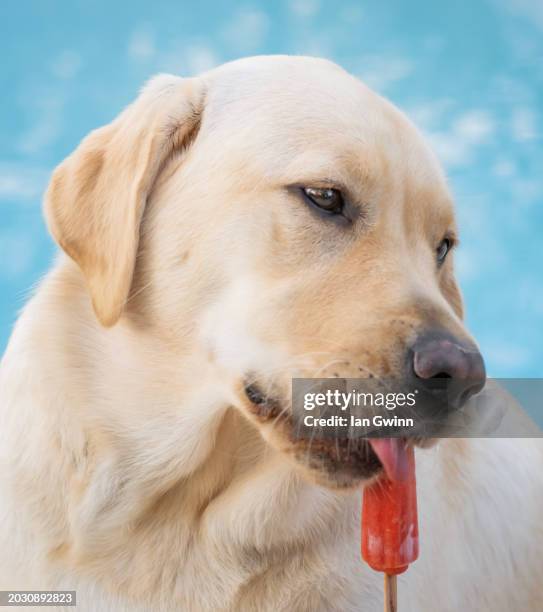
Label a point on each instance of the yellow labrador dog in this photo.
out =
(272, 218)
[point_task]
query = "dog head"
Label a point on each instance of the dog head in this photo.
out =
(277, 219)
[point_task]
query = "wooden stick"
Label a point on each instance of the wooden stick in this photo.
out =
(391, 593)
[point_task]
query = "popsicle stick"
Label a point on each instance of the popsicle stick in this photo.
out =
(391, 593)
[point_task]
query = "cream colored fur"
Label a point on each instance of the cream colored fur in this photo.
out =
(131, 466)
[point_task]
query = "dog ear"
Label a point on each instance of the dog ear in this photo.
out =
(96, 197)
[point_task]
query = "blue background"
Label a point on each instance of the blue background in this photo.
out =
(469, 73)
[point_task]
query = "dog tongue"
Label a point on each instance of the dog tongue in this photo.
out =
(392, 454)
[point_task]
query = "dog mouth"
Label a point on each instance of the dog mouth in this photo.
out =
(337, 462)
(346, 463)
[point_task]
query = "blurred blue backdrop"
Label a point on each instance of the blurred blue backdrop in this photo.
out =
(469, 72)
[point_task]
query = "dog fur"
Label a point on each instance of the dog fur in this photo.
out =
(133, 468)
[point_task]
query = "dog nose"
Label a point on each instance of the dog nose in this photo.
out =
(442, 362)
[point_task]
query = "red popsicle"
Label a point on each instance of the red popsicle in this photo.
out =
(390, 533)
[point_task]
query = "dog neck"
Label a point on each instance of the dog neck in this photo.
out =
(166, 483)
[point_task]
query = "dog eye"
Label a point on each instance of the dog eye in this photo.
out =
(326, 199)
(442, 250)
